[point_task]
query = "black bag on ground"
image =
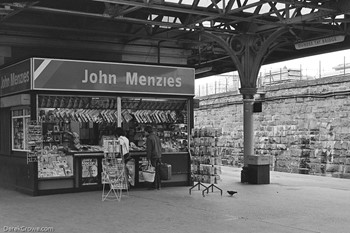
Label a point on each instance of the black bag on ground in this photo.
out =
(165, 171)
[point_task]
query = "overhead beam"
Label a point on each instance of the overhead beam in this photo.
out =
(205, 14)
(18, 10)
(103, 37)
(94, 15)
(35, 42)
(307, 17)
(150, 22)
(344, 6)
(174, 8)
(304, 4)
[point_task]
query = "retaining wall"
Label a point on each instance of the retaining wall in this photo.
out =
(304, 126)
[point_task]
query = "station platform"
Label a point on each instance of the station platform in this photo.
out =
(291, 203)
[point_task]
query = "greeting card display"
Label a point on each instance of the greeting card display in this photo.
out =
(205, 158)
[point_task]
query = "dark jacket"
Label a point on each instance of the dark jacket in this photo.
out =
(153, 146)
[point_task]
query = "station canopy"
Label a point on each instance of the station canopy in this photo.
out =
(169, 32)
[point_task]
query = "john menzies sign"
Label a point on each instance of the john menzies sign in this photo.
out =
(15, 78)
(55, 74)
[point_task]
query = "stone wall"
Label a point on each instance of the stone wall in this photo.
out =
(304, 126)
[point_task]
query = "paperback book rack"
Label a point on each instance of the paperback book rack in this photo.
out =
(114, 179)
(205, 159)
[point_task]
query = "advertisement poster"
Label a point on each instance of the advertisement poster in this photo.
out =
(89, 169)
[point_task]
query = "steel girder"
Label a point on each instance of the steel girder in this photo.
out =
(172, 27)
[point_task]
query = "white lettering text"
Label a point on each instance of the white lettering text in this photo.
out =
(135, 79)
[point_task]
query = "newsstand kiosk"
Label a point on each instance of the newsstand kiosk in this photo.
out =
(55, 113)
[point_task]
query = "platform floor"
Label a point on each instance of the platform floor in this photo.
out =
(291, 203)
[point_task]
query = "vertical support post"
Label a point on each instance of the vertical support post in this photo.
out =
(319, 69)
(119, 110)
(248, 128)
(34, 98)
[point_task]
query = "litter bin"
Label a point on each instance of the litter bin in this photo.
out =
(259, 169)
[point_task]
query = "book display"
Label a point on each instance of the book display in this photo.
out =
(94, 117)
(89, 117)
(205, 158)
(81, 109)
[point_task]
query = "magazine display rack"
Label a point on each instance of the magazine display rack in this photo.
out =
(35, 141)
(205, 159)
(114, 179)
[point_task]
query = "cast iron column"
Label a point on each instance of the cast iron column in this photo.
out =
(248, 52)
(248, 122)
(248, 129)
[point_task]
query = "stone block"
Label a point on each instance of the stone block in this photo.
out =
(336, 153)
(346, 169)
(332, 168)
(336, 174)
(347, 161)
(344, 145)
(345, 176)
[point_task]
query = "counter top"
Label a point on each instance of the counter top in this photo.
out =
(101, 153)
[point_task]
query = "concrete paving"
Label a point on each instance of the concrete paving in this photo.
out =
(291, 203)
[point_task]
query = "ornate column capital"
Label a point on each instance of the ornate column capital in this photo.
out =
(248, 92)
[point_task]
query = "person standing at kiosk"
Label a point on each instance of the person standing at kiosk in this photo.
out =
(154, 154)
(124, 142)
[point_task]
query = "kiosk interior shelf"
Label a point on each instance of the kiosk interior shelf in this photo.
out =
(20, 121)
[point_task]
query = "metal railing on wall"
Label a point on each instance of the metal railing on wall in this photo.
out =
(230, 81)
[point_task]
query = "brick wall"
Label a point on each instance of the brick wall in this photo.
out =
(303, 126)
